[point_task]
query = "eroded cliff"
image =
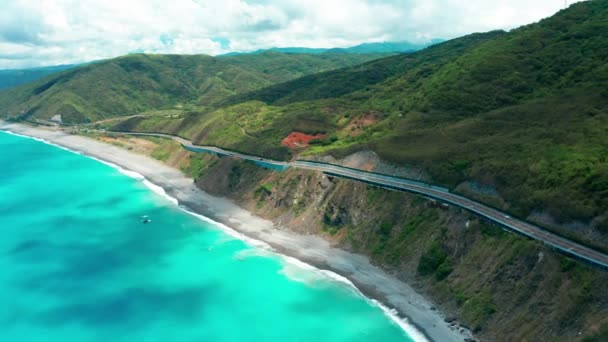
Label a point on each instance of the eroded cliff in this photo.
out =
(500, 285)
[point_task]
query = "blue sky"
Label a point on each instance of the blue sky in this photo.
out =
(51, 32)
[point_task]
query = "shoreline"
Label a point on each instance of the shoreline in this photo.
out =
(396, 298)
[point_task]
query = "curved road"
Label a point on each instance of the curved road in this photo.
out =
(560, 243)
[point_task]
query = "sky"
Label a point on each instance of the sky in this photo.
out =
(52, 32)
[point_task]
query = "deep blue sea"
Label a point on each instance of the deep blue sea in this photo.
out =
(78, 264)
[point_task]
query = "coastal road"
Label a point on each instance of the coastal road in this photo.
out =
(394, 183)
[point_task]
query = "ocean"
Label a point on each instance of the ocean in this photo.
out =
(78, 262)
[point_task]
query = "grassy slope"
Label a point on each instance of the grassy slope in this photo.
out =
(361, 77)
(257, 127)
(524, 113)
(138, 83)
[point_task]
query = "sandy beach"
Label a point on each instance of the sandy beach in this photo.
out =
(374, 282)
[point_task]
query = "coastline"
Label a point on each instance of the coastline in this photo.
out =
(371, 281)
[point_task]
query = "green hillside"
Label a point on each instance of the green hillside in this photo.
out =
(518, 120)
(345, 81)
(138, 83)
(14, 77)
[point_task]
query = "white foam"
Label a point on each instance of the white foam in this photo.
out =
(297, 270)
(137, 176)
(160, 191)
(292, 266)
(336, 277)
(230, 231)
(42, 141)
(392, 314)
(129, 173)
(403, 323)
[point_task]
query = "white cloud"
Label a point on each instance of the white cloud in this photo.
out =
(47, 32)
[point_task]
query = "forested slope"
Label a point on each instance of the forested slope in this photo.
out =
(517, 120)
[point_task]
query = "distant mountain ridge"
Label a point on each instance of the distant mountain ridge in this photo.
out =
(14, 77)
(138, 83)
(379, 47)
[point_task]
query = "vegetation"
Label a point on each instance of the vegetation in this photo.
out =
(135, 84)
(431, 260)
(523, 113)
(500, 285)
(198, 165)
(362, 77)
(600, 336)
(163, 150)
(14, 77)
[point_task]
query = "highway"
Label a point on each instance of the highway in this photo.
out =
(557, 242)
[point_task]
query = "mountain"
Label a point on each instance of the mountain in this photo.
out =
(281, 50)
(517, 120)
(513, 119)
(138, 83)
(388, 47)
(365, 48)
(14, 77)
(348, 80)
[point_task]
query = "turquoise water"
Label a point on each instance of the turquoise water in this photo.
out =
(76, 264)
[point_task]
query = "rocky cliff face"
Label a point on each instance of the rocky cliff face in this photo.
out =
(502, 286)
